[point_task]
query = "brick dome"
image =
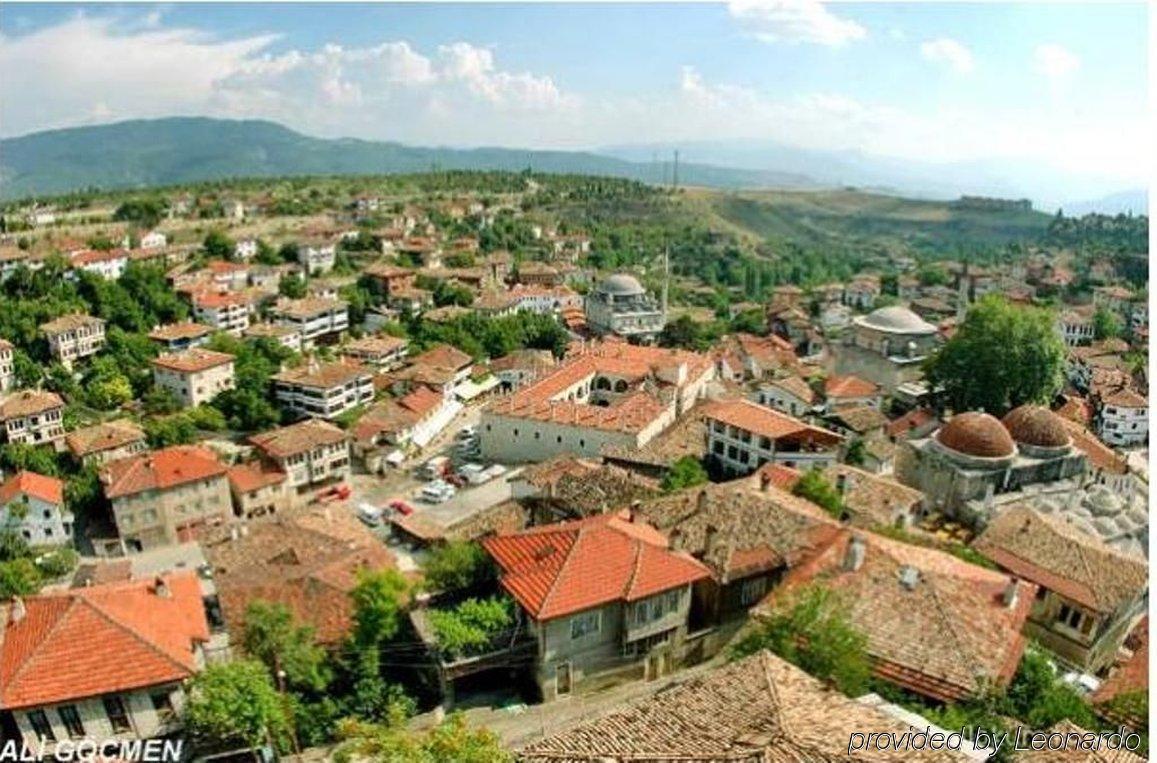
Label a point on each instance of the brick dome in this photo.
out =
(1036, 425)
(976, 434)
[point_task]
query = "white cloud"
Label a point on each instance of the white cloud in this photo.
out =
(1054, 61)
(950, 53)
(794, 21)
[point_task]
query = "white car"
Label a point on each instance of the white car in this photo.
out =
(370, 514)
(438, 491)
(475, 474)
(467, 433)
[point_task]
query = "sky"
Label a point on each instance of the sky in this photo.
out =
(1062, 84)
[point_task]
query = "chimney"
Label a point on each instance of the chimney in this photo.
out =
(909, 577)
(764, 481)
(1008, 597)
(161, 588)
(19, 611)
(701, 500)
(675, 539)
(633, 511)
(710, 539)
(842, 483)
(854, 556)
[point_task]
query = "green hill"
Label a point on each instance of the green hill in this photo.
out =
(160, 152)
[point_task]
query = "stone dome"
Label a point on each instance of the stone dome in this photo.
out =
(896, 320)
(621, 285)
(976, 434)
(1038, 426)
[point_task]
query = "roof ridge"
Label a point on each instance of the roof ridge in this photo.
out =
(786, 728)
(579, 533)
(630, 583)
(969, 658)
(74, 601)
(133, 632)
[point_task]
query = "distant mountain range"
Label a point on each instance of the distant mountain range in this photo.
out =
(143, 153)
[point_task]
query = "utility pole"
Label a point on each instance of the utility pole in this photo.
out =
(675, 172)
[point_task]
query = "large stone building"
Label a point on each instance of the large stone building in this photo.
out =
(620, 305)
(327, 389)
(167, 496)
(610, 394)
(73, 337)
(975, 456)
(743, 436)
(887, 346)
(311, 453)
(194, 376)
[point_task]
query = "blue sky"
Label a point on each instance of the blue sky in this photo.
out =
(1063, 84)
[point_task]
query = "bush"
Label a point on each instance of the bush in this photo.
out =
(472, 626)
(456, 566)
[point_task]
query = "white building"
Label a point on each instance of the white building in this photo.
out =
(109, 265)
(73, 337)
(175, 337)
(1076, 327)
(225, 311)
(621, 306)
(311, 453)
(315, 320)
(245, 249)
(7, 366)
(743, 436)
(194, 376)
(154, 240)
(317, 257)
(32, 417)
(32, 507)
(1123, 418)
(324, 390)
(791, 395)
(286, 336)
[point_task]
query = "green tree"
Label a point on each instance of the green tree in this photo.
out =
(377, 600)
(292, 286)
(857, 452)
(1001, 356)
(687, 472)
(236, 702)
(816, 488)
(1039, 697)
(273, 636)
(218, 246)
(19, 577)
(932, 274)
(453, 740)
(457, 565)
(810, 629)
(1106, 324)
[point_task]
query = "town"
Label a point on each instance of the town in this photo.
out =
(426, 460)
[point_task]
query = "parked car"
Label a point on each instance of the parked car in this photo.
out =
(438, 491)
(435, 468)
(475, 474)
(369, 514)
(401, 507)
(494, 471)
(469, 432)
(335, 493)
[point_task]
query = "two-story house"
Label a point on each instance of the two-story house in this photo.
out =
(167, 496)
(316, 320)
(223, 311)
(743, 436)
(602, 595)
(312, 453)
(789, 394)
(317, 256)
(175, 337)
(73, 337)
(850, 392)
(1123, 417)
(194, 376)
(326, 390)
(32, 507)
(32, 417)
(7, 366)
(104, 662)
(109, 441)
(1090, 595)
(109, 265)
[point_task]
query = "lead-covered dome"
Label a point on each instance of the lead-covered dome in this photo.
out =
(621, 285)
(1036, 425)
(897, 320)
(976, 434)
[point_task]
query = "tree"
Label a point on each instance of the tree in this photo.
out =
(272, 636)
(457, 565)
(377, 600)
(19, 577)
(932, 274)
(815, 487)
(452, 740)
(219, 246)
(236, 702)
(1001, 356)
(1039, 697)
(810, 628)
(857, 452)
(684, 473)
(1106, 324)
(292, 286)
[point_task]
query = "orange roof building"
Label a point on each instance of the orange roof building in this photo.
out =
(743, 436)
(32, 506)
(102, 652)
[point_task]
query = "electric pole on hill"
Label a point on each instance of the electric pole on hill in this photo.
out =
(675, 172)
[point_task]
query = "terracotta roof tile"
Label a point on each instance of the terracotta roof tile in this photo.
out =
(192, 360)
(160, 470)
(765, 422)
(70, 323)
(45, 488)
(107, 436)
(298, 438)
(28, 402)
(176, 331)
(849, 386)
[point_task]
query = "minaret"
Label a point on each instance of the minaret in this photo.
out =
(666, 279)
(962, 296)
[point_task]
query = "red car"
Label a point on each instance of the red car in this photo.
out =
(401, 507)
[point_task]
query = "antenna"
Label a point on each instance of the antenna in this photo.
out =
(675, 172)
(666, 277)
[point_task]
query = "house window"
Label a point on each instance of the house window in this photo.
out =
(163, 704)
(71, 720)
(38, 719)
(114, 708)
(584, 623)
(1069, 616)
(751, 591)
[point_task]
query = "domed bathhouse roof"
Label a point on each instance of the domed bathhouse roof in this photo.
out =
(896, 320)
(621, 285)
(1037, 426)
(976, 434)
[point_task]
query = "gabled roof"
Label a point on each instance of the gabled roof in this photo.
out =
(557, 570)
(760, 709)
(70, 323)
(27, 402)
(763, 421)
(193, 360)
(946, 636)
(849, 386)
(298, 438)
(1047, 550)
(160, 470)
(48, 489)
(106, 436)
(99, 640)
(796, 386)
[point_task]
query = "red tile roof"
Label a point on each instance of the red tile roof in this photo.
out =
(558, 570)
(849, 386)
(763, 421)
(193, 360)
(913, 419)
(36, 485)
(99, 640)
(245, 478)
(160, 470)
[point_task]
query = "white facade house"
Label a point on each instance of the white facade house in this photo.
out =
(245, 249)
(285, 336)
(743, 436)
(227, 311)
(324, 390)
(1123, 418)
(109, 265)
(1075, 327)
(315, 320)
(194, 376)
(154, 240)
(310, 453)
(790, 395)
(32, 507)
(7, 366)
(32, 417)
(73, 337)
(317, 257)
